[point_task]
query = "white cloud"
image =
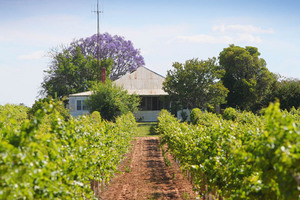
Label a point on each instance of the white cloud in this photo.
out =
(228, 34)
(248, 38)
(207, 39)
(33, 56)
(242, 29)
(211, 39)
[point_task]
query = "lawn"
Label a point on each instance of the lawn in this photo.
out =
(146, 129)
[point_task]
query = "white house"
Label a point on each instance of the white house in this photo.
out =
(143, 82)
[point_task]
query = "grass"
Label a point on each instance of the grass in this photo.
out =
(127, 169)
(146, 129)
(186, 195)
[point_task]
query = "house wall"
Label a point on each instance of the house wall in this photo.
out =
(140, 116)
(147, 116)
(73, 106)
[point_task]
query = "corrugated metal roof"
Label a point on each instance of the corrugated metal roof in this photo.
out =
(81, 94)
(142, 82)
(147, 92)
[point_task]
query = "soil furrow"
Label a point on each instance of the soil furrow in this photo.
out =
(147, 176)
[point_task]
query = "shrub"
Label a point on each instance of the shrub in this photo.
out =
(230, 114)
(195, 115)
(96, 116)
(112, 101)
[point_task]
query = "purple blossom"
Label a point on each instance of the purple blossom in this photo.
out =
(125, 57)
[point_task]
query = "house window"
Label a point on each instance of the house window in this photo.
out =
(84, 106)
(143, 103)
(148, 103)
(155, 103)
(152, 103)
(81, 105)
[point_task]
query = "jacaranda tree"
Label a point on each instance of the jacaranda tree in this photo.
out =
(74, 68)
(125, 57)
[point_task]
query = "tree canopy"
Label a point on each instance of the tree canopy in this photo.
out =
(71, 73)
(246, 76)
(74, 68)
(196, 84)
(287, 91)
(111, 101)
(124, 56)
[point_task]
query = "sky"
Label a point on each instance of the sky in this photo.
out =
(165, 31)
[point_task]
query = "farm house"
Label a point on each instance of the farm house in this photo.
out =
(143, 82)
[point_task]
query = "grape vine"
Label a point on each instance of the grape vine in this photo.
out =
(47, 157)
(249, 158)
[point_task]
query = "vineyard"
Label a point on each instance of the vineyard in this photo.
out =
(239, 155)
(48, 157)
(230, 156)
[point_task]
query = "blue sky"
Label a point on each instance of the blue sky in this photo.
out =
(164, 31)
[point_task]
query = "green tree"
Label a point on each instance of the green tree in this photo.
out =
(246, 76)
(196, 84)
(287, 91)
(71, 73)
(111, 101)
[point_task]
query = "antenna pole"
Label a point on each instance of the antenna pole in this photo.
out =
(98, 40)
(103, 71)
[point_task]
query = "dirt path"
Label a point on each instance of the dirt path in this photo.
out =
(147, 177)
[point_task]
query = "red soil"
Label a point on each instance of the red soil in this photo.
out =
(145, 176)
